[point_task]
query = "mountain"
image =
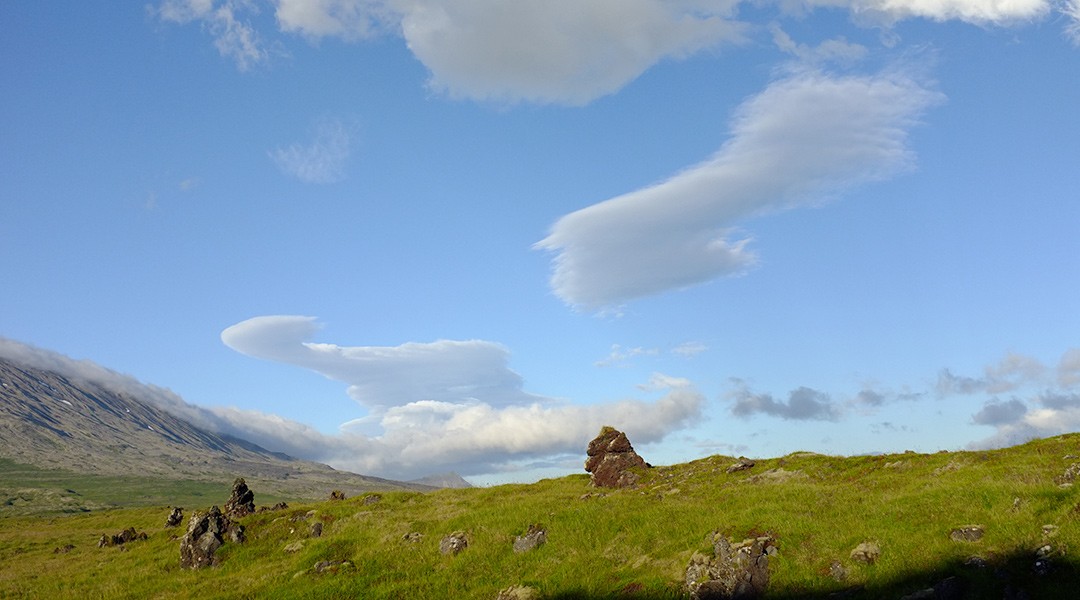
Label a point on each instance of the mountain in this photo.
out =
(92, 421)
(444, 480)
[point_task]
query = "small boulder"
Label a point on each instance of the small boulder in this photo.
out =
(741, 465)
(242, 501)
(331, 566)
(968, 533)
(612, 460)
(371, 499)
(316, 529)
(454, 543)
(337, 495)
(413, 537)
(176, 517)
(533, 538)
(866, 552)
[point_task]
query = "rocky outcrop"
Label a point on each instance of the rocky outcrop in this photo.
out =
(740, 465)
(612, 460)
(733, 572)
(176, 517)
(533, 538)
(242, 501)
(337, 495)
(205, 534)
(866, 553)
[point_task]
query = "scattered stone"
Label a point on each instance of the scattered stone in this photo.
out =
(968, 533)
(205, 534)
(242, 501)
(1045, 551)
(337, 495)
(866, 552)
(371, 499)
(125, 536)
(837, 571)
(533, 538)
(518, 592)
(304, 517)
(454, 543)
(176, 517)
(1016, 504)
(1049, 531)
(741, 465)
(331, 566)
(612, 460)
(739, 571)
(976, 562)
(950, 588)
(1042, 567)
(64, 549)
(413, 537)
(294, 547)
(278, 506)
(1069, 476)
(316, 529)
(777, 475)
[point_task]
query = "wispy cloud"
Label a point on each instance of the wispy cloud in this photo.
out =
(323, 159)
(689, 349)
(620, 357)
(804, 139)
(234, 37)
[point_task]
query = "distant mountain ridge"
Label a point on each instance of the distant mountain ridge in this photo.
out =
(53, 419)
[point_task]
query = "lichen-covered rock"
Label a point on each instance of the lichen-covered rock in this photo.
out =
(866, 552)
(242, 501)
(968, 533)
(612, 460)
(518, 592)
(733, 572)
(454, 543)
(125, 536)
(205, 534)
(741, 465)
(533, 538)
(176, 517)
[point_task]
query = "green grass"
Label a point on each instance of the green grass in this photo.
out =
(611, 544)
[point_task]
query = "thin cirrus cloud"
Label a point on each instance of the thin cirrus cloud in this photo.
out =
(323, 159)
(443, 405)
(234, 37)
(806, 137)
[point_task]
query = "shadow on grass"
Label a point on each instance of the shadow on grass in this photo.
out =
(1017, 576)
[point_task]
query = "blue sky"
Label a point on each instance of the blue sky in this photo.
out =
(408, 236)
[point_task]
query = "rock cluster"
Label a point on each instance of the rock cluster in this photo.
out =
(612, 460)
(337, 495)
(125, 536)
(206, 533)
(242, 501)
(733, 572)
(968, 533)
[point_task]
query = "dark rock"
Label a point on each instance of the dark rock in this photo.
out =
(337, 495)
(533, 538)
(453, 543)
(866, 552)
(969, 533)
(176, 517)
(278, 506)
(837, 571)
(205, 534)
(741, 465)
(612, 460)
(64, 549)
(412, 537)
(734, 572)
(950, 588)
(125, 536)
(242, 501)
(976, 562)
(316, 529)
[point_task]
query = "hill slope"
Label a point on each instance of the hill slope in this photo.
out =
(55, 421)
(615, 544)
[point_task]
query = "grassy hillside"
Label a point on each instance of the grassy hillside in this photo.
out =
(608, 544)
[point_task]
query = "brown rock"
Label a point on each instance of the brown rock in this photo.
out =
(176, 517)
(205, 534)
(612, 460)
(242, 501)
(739, 571)
(454, 543)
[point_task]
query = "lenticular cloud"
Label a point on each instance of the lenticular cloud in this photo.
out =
(805, 138)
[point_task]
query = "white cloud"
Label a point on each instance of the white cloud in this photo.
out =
(1068, 370)
(620, 357)
(999, 412)
(444, 405)
(689, 349)
(1014, 371)
(557, 51)
(347, 19)
(980, 12)
(234, 37)
(1071, 10)
(323, 159)
(803, 139)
